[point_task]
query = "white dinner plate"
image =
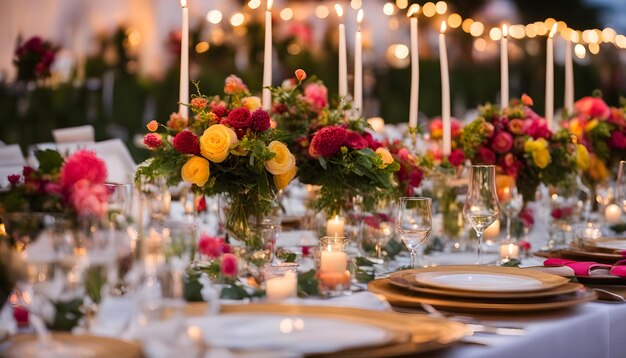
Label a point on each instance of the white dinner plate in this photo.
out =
(287, 333)
(476, 281)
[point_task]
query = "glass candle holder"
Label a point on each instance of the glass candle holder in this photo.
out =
(281, 282)
(333, 273)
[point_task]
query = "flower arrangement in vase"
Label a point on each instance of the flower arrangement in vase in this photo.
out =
(332, 150)
(227, 147)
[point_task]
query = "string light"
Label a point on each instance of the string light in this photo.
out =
(202, 47)
(441, 7)
(402, 4)
(214, 16)
(454, 20)
(477, 29)
(237, 19)
(466, 24)
(429, 9)
(254, 4)
(580, 51)
(286, 14)
(322, 11)
(389, 9)
(495, 34)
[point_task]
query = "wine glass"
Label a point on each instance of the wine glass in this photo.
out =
(620, 186)
(481, 206)
(414, 223)
(512, 202)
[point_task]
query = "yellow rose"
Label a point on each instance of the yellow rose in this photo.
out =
(251, 102)
(582, 157)
(576, 128)
(597, 169)
(216, 142)
(282, 162)
(591, 125)
(385, 156)
(282, 180)
(541, 157)
(196, 171)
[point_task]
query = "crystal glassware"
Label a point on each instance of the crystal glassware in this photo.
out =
(511, 202)
(481, 207)
(620, 186)
(414, 223)
(333, 273)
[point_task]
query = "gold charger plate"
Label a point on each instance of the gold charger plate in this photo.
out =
(401, 297)
(577, 253)
(95, 347)
(424, 277)
(605, 245)
(414, 286)
(412, 333)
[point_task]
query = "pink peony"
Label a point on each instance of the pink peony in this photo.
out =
(456, 157)
(83, 164)
(260, 121)
(355, 141)
(502, 142)
(89, 198)
(486, 156)
(152, 140)
(234, 85)
(186, 142)
(537, 128)
(592, 107)
(618, 140)
(327, 141)
(229, 265)
(212, 247)
(317, 95)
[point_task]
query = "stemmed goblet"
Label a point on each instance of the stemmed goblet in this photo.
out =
(414, 223)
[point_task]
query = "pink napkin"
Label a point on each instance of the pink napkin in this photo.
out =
(589, 268)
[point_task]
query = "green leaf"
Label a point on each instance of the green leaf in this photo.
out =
(323, 163)
(50, 161)
(308, 285)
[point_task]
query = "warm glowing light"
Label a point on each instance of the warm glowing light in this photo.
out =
(441, 7)
(531, 30)
(134, 37)
(237, 19)
(269, 5)
(593, 37)
(322, 11)
(580, 51)
(620, 40)
(505, 30)
(254, 4)
(389, 9)
(587, 35)
(517, 31)
(553, 30)
(286, 14)
(202, 47)
(550, 22)
(401, 51)
(608, 35)
(477, 29)
(467, 23)
(214, 16)
(480, 45)
(359, 17)
(394, 24)
(454, 20)
(495, 33)
(575, 37)
(594, 48)
(293, 49)
(402, 4)
(442, 29)
(566, 34)
(429, 9)
(413, 10)
(542, 29)
(183, 3)
(356, 4)
(339, 10)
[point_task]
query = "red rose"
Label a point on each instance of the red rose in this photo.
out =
(219, 110)
(240, 118)
(618, 140)
(186, 142)
(502, 142)
(327, 141)
(260, 120)
(456, 157)
(371, 142)
(212, 247)
(355, 141)
(201, 206)
(486, 156)
(415, 178)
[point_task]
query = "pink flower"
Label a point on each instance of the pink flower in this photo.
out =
(527, 217)
(317, 95)
(83, 164)
(510, 165)
(526, 100)
(14, 178)
(455, 127)
(234, 85)
(27, 171)
(327, 141)
(516, 126)
(371, 142)
(618, 140)
(152, 140)
(186, 142)
(300, 74)
(89, 198)
(538, 128)
(260, 121)
(355, 141)
(486, 156)
(456, 157)
(592, 107)
(488, 129)
(229, 265)
(212, 247)
(502, 142)
(177, 122)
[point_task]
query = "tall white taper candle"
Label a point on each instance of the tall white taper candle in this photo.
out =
(267, 59)
(550, 78)
(445, 92)
(183, 94)
(358, 67)
(343, 60)
(504, 67)
(415, 67)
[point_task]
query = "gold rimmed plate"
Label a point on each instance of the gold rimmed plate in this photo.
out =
(401, 297)
(484, 279)
(579, 254)
(25, 345)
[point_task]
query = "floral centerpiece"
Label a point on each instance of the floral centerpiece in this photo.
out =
(522, 146)
(333, 151)
(227, 148)
(602, 130)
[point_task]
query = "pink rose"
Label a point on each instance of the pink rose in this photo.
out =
(502, 142)
(537, 128)
(317, 95)
(88, 198)
(593, 107)
(228, 265)
(488, 129)
(618, 140)
(516, 126)
(404, 154)
(455, 127)
(212, 247)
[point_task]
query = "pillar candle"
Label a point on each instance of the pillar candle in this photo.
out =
(267, 59)
(333, 261)
(282, 287)
(613, 214)
(183, 94)
(504, 67)
(358, 67)
(509, 251)
(415, 68)
(550, 77)
(334, 227)
(445, 92)
(343, 62)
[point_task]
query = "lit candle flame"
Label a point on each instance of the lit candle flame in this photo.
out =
(443, 27)
(505, 30)
(339, 10)
(336, 218)
(359, 17)
(414, 9)
(553, 31)
(269, 5)
(183, 3)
